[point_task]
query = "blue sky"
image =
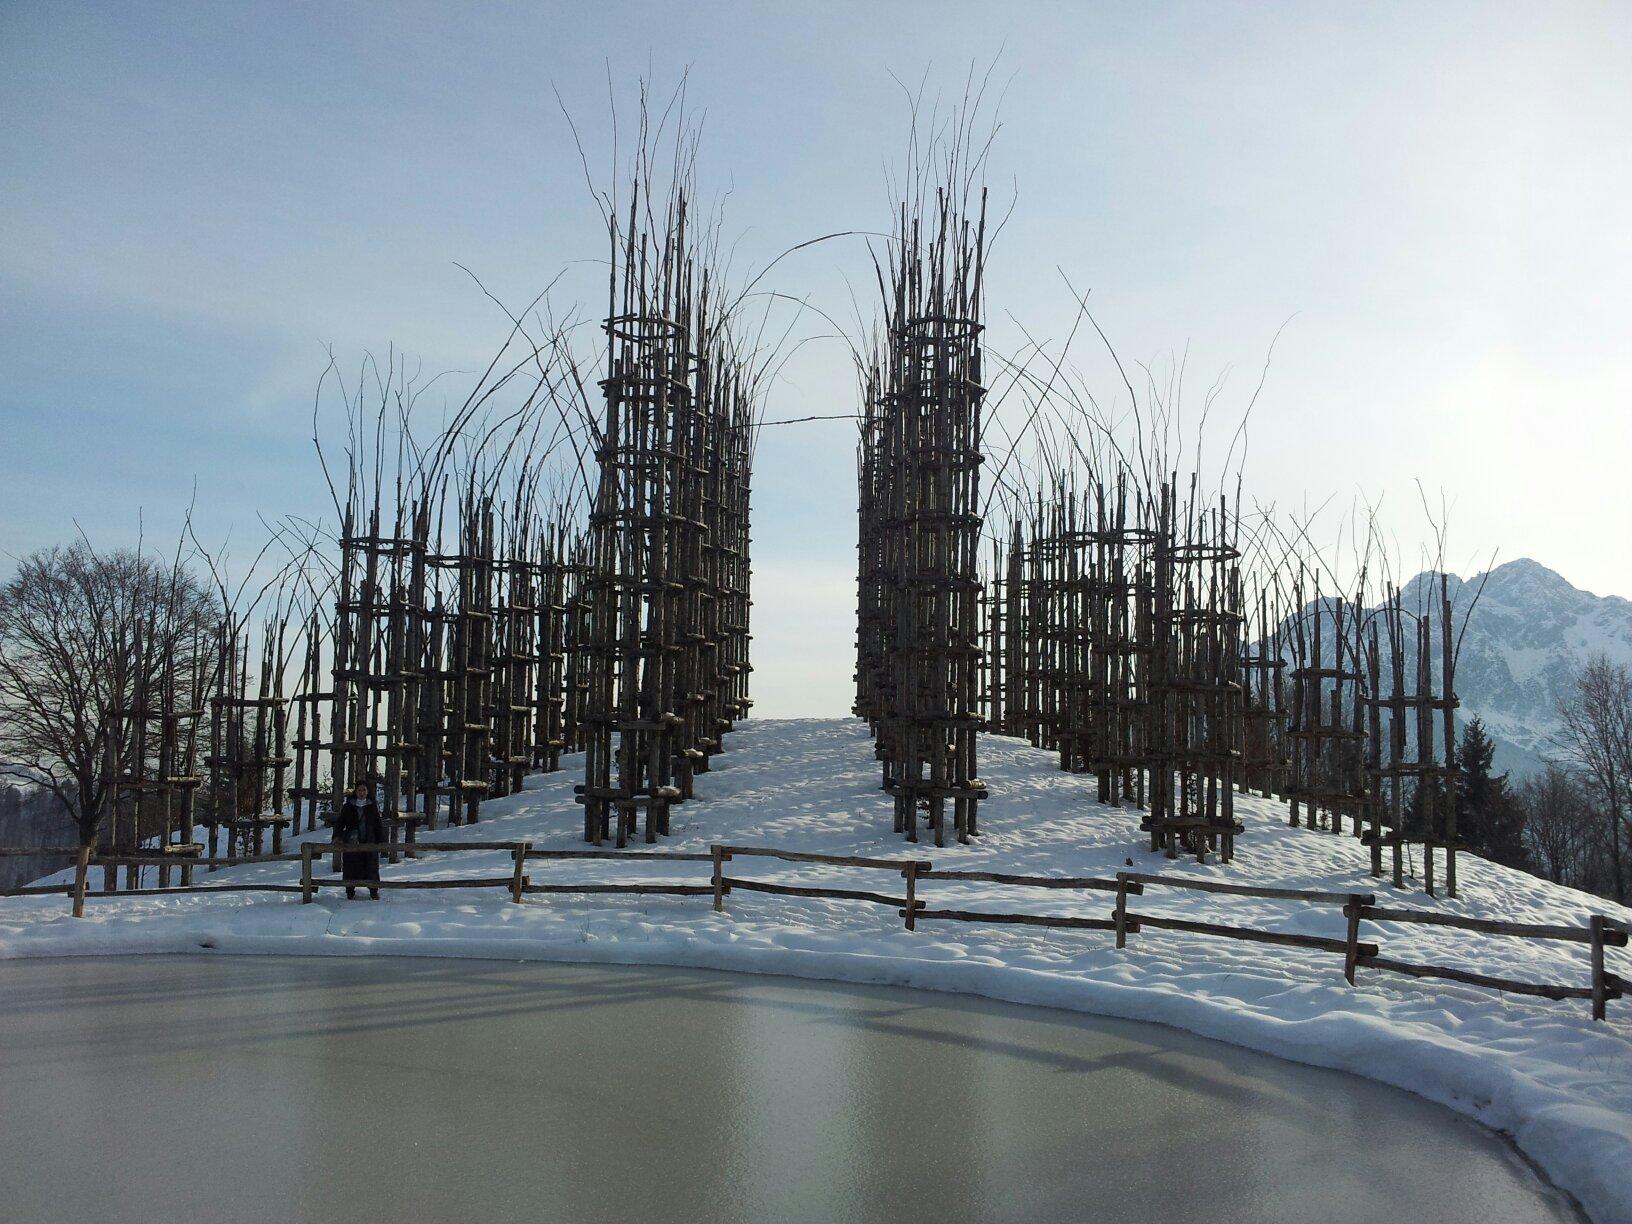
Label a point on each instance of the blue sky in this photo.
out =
(195, 199)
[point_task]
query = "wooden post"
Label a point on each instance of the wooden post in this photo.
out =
(306, 873)
(517, 880)
(1600, 986)
(910, 871)
(82, 870)
(1351, 949)
(1448, 709)
(1121, 916)
(720, 859)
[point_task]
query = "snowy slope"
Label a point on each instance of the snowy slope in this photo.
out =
(1560, 1084)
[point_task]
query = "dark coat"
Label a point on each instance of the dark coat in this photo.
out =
(359, 824)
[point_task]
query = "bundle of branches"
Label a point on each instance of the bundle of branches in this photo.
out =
(1115, 613)
(918, 657)
(666, 577)
(452, 594)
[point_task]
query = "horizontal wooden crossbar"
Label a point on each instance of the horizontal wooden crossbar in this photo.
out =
(667, 856)
(37, 890)
(184, 889)
(1042, 920)
(477, 882)
(188, 860)
(1493, 926)
(1030, 881)
(836, 860)
(1284, 938)
(1245, 890)
(1372, 960)
(804, 890)
(677, 890)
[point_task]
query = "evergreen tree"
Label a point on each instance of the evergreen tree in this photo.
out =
(1489, 819)
(1417, 825)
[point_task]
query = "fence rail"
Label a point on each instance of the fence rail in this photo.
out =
(1600, 932)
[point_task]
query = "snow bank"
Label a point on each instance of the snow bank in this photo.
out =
(1543, 1072)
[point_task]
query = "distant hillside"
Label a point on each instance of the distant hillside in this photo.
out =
(31, 816)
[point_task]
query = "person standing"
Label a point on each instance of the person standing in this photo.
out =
(359, 824)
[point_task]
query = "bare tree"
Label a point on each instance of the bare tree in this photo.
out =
(83, 635)
(1597, 737)
(1561, 828)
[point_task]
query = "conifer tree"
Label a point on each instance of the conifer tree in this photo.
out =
(1489, 820)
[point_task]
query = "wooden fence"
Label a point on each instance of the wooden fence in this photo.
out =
(1599, 933)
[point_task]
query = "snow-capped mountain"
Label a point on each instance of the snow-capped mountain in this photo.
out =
(1529, 634)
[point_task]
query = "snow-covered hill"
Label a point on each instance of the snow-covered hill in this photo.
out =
(1544, 1072)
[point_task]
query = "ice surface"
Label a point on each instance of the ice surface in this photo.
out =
(1543, 1072)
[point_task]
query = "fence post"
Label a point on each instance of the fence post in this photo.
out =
(306, 873)
(1600, 986)
(1121, 915)
(1351, 946)
(910, 871)
(82, 870)
(516, 880)
(720, 858)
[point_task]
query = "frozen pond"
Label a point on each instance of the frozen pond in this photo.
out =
(263, 1088)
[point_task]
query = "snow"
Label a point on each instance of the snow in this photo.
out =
(1544, 1073)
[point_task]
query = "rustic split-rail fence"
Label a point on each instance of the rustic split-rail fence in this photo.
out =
(916, 901)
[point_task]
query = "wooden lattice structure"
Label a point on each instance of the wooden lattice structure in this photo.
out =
(1194, 688)
(462, 635)
(552, 733)
(469, 671)
(377, 664)
(515, 661)
(248, 758)
(1264, 745)
(1325, 725)
(664, 583)
(152, 756)
(919, 469)
(1121, 603)
(1114, 628)
(1411, 731)
(312, 699)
